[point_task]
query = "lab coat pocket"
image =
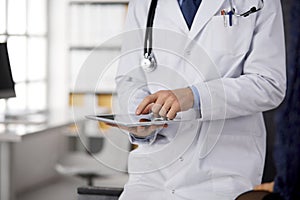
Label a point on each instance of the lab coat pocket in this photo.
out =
(240, 166)
(235, 39)
(230, 186)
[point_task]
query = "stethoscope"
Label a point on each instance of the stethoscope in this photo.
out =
(148, 62)
(249, 12)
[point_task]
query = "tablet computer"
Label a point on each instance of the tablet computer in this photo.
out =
(132, 120)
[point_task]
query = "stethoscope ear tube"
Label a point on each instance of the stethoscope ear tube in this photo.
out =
(148, 35)
(252, 10)
(249, 12)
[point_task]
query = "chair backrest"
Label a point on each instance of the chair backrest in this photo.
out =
(98, 193)
(269, 169)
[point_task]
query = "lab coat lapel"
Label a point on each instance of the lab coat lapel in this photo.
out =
(172, 9)
(207, 9)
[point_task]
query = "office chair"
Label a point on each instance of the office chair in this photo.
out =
(99, 165)
(99, 193)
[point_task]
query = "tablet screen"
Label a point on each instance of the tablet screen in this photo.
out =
(130, 120)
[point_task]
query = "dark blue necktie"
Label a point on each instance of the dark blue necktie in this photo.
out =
(189, 9)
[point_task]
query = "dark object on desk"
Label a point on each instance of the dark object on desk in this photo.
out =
(98, 193)
(7, 85)
(259, 195)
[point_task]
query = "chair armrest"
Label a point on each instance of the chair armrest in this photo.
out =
(259, 195)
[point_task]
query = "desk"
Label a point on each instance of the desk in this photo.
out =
(5, 140)
(13, 131)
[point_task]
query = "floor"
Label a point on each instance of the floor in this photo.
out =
(65, 188)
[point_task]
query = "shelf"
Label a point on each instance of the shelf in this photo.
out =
(88, 134)
(98, 92)
(95, 27)
(99, 2)
(91, 48)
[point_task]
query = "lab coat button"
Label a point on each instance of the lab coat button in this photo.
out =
(173, 191)
(188, 52)
(181, 159)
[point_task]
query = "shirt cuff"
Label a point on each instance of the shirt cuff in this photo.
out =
(196, 94)
(143, 140)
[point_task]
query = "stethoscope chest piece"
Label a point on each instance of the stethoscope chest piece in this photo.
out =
(148, 63)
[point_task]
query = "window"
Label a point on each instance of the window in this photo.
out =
(23, 24)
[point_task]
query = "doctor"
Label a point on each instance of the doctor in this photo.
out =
(214, 64)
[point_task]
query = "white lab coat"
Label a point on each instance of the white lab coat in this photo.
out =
(239, 72)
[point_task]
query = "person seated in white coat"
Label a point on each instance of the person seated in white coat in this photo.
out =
(217, 67)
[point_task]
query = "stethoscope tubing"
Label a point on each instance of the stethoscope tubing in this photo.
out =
(149, 35)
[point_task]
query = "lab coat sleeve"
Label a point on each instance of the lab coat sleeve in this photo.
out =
(262, 84)
(130, 79)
